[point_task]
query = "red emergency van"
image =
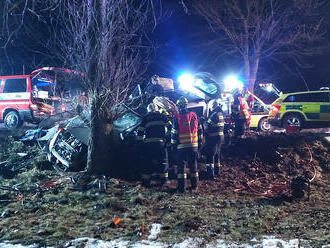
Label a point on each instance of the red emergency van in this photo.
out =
(31, 98)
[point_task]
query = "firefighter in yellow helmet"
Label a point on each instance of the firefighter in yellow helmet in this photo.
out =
(153, 133)
(185, 132)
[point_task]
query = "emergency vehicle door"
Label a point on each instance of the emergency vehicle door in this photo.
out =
(14, 91)
(311, 103)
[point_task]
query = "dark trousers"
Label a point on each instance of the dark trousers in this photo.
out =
(239, 127)
(188, 155)
(155, 161)
(213, 149)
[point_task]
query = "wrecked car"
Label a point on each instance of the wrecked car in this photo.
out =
(68, 147)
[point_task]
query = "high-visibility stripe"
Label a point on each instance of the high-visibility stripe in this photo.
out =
(218, 165)
(180, 146)
(139, 138)
(194, 174)
(174, 131)
(187, 135)
(219, 124)
(150, 140)
(191, 140)
(155, 123)
(216, 134)
(182, 176)
(210, 165)
(164, 175)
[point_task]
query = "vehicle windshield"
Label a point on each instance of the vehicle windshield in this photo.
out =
(207, 87)
(127, 122)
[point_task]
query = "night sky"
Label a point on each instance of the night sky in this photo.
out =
(180, 49)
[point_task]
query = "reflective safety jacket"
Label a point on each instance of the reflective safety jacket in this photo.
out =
(154, 128)
(240, 109)
(249, 97)
(215, 123)
(186, 130)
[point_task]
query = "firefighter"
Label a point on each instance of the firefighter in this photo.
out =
(240, 114)
(154, 133)
(185, 136)
(214, 137)
(249, 97)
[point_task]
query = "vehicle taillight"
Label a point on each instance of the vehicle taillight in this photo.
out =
(276, 108)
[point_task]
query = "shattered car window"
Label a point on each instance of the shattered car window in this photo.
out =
(127, 122)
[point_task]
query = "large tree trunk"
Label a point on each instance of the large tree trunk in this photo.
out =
(94, 159)
(251, 70)
(247, 70)
(253, 75)
(96, 148)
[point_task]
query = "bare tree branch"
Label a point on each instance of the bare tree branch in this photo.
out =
(260, 29)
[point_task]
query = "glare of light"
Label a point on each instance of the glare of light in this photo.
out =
(186, 81)
(232, 82)
(198, 82)
(269, 88)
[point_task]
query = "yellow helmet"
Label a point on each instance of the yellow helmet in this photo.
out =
(182, 102)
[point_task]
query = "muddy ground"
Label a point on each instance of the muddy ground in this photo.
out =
(270, 184)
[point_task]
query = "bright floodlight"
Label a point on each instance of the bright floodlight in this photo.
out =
(186, 81)
(232, 82)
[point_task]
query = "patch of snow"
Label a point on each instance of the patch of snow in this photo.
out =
(265, 242)
(148, 244)
(270, 242)
(8, 245)
(154, 231)
(189, 243)
(95, 243)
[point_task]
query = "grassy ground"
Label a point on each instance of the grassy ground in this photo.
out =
(51, 213)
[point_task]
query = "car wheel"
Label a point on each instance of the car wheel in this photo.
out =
(264, 125)
(12, 120)
(292, 120)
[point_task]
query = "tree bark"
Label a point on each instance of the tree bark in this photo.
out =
(253, 75)
(97, 142)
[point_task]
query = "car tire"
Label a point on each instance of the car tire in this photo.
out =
(12, 120)
(293, 119)
(264, 125)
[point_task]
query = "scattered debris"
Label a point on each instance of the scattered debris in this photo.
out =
(154, 231)
(115, 222)
(258, 193)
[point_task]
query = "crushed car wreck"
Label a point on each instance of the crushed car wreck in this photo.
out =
(68, 147)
